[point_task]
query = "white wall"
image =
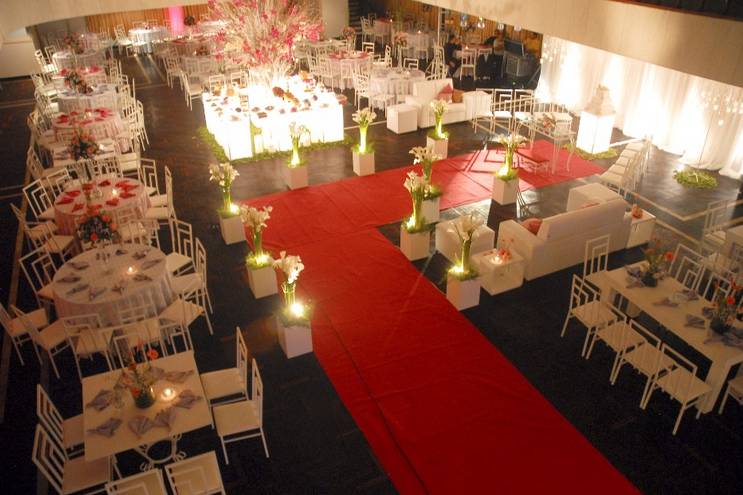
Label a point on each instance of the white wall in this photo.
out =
(694, 44)
(17, 55)
(334, 16)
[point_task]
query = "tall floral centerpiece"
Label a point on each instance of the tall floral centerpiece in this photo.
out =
(224, 175)
(260, 34)
(139, 378)
(363, 153)
(296, 133)
(348, 33)
(82, 145)
(509, 142)
(255, 220)
(425, 157)
(464, 228)
(290, 266)
(74, 81)
(505, 185)
(414, 232)
(74, 43)
(439, 108)
(400, 40)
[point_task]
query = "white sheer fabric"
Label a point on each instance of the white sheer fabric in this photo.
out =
(699, 119)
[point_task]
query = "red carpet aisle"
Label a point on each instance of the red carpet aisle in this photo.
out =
(443, 410)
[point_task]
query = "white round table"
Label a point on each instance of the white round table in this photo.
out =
(211, 27)
(418, 41)
(103, 96)
(114, 195)
(147, 36)
(343, 64)
(66, 59)
(93, 76)
(101, 123)
(106, 275)
(382, 79)
(205, 65)
(189, 46)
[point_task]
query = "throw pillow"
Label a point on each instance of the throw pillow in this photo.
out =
(457, 96)
(532, 224)
(446, 94)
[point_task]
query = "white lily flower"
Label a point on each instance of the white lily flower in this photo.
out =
(223, 174)
(439, 107)
(415, 183)
(466, 225)
(255, 218)
(423, 154)
(291, 266)
(364, 116)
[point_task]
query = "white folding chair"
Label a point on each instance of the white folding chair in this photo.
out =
(586, 307)
(618, 337)
(146, 483)
(66, 432)
(228, 384)
(244, 419)
(734, 389)
(195, 475)
(51, 338)
(39, 201)
(39, 268)
(84, 336)
(595, 261)
(469, 63)
(181, 259)
(687, 267)
(713, 233)
(68, 475)
(197, 281)
(16, 330)
(680, 382)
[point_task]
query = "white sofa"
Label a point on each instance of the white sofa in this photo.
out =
(561, 239)
(422, 94)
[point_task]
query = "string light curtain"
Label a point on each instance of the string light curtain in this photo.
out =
(699, 119)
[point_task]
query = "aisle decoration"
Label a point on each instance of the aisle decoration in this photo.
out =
(139, 377)
(363, 153)
(432, 197)
(260, 34)
(414, 232)
(438, 139)
(224, 175)
(296, 174)
(725, 310)
(462, 284)
(261, 274)
(82, 145)
(293, 322)
(505, 183)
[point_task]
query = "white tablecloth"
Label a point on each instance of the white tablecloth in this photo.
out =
(101, 123)
(66, 59)
(148, 35)
(93, 76)
(188, 46)
(66, 215)
(103, 96)
(382, 28)
(382, 79)
(343, 64)
(211, 27)
(418, 40)
(199, 65)
(108, 274)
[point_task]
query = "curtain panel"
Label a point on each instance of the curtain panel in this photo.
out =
(698, 119)
(106, 22)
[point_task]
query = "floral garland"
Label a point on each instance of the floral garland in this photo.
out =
(82, 145)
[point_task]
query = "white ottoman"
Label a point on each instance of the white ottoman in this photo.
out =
(589, 193)
(447, 243)
(402, 118)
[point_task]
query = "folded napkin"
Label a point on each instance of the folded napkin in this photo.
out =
(99, 119)
(141, 277)
(150, 263)
(97, 206)
(121, 251)
(104, 183)
(102, 400)
(107, 428)
(79, 265)
(666, 302)
(77, 288)
(65, 200)
(695, 321)
(633, 282)
(689, 295)
(140, 425)
(130, 187)
(166, 417)
(187, 399)
(69, 279)
(78, 206)
(156, 373)
(140, 254)
(112, 202)
(119, 287)
(178, 377)
(127, 195)
(708, 312)
(122, 184)
(96, 291)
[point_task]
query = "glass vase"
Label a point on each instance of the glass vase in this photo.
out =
(466, 246)
(439, 128)
(226, 199)
(416, 216)
(145, 398)
(257, 245)
(508, 162)
(362, 139)
(288, 289)
(718, 325)
(295, 160)
(649, 280)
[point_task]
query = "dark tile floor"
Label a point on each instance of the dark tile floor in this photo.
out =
(315, 445)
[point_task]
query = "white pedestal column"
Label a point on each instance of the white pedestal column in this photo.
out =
(232, 229)
(262, 281)
(439, 146)
(363, 163)
(296, 177)
(430, 209)
(463, 294)
(504, 191)
(294, 340)
(415, 246)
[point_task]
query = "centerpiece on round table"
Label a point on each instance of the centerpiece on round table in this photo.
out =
(725, 307)
(139, 377)
(96, 227)
(82, 145)
(74, 81)
(74, 43)
(657, 262)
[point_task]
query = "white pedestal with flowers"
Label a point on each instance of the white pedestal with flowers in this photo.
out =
(438, 140)
(294, 330)
(296, 174)
(430, 206)
(415, 236)
(261, 273)
(363, 154)
(505, 180)
(230, 225)
(462, 283)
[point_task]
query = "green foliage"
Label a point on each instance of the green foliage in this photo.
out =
(610, 153)
(695, 179)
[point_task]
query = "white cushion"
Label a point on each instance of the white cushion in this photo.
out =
(222, 383)
(237, 417)
(572, 222)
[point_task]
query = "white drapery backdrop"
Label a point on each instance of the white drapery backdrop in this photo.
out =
(699, 119)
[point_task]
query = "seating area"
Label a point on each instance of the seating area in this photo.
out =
(250, 249)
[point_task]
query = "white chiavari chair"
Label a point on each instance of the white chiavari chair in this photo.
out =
(146, 483)
(181, 259)
(199, 474)
(587, 307)
(66, 432)
(39, 268)
(85, 338)
(16, 330)
(687, 267)
(713, 232)
(196, 281)
(38, 199)
(51, 338)
(228, 384)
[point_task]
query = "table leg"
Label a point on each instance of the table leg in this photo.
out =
(172, 456)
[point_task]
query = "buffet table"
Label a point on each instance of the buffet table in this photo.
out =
(102, 96)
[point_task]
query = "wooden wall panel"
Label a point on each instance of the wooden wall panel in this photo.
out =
(106, 22)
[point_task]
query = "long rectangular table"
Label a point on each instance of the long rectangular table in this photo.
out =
(722, 357)
(98, 446)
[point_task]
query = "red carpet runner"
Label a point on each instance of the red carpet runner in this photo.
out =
(442, 409)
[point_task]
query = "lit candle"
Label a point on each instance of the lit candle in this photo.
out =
(168, 394)
(115, 192)
(130, 270)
